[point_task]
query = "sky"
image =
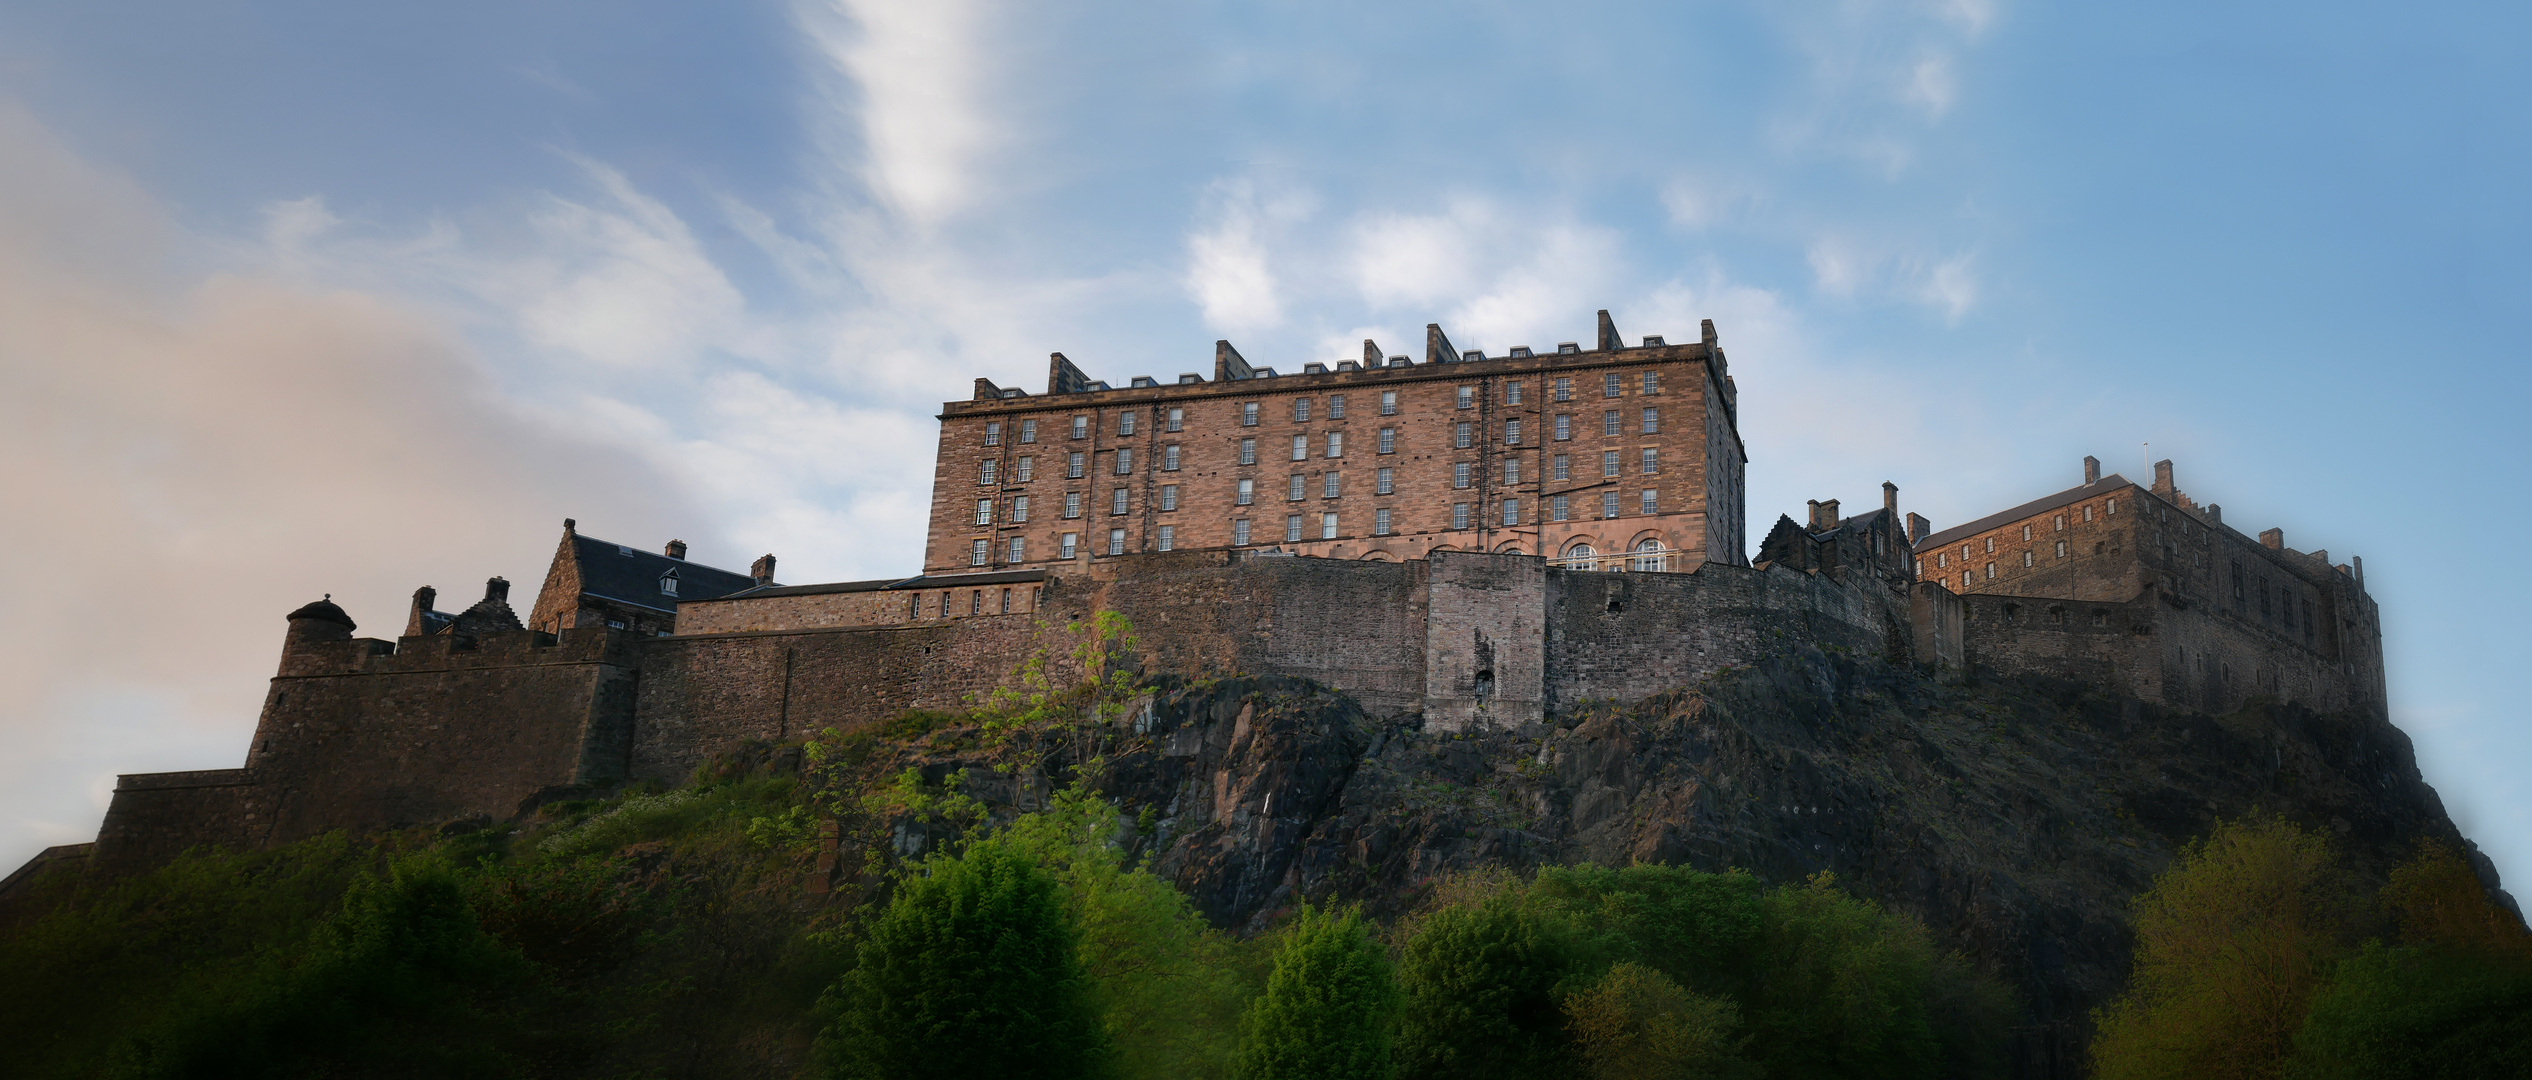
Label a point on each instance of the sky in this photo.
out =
(301, 299)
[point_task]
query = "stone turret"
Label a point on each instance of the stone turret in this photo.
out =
(312, 627)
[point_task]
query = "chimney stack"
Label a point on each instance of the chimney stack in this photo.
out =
(1371, 354)
(1814, 524)
(676, 550)
(1828, 514)
(570, 526)
(497, 590)
(1609, 339)
(2092, 470)
(1437, 345)
(1918, 529)
(1229, 365)
(423, 598)
(1890, 501)
(763, 571)
(2358, 561)
(2163, 477)
(2274, 539)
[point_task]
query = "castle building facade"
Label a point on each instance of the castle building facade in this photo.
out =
(1578, 454)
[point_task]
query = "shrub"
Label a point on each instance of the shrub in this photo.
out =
(1479, 994)
(1635, 1023)
(1325, 1013)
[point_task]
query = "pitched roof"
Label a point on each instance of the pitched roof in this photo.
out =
(613, 571)
(920, 581)
(2041, 505)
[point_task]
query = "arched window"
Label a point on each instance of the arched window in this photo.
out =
(1648, 558)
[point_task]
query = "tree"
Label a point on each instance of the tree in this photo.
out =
(1325, 1013)
(2232, 942)
(1479, 995)
(2439, 901)
(1842, 987)
(2454, 1000)
(972, 970)
(1635, 1023)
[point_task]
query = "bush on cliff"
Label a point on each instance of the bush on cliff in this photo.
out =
(1326, 1011)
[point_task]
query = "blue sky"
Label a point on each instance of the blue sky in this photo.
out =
(311, 298)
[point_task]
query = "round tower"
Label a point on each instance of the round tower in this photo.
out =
(316, 622)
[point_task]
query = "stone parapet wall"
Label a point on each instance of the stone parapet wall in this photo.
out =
(1626, 636)
(2167, 649)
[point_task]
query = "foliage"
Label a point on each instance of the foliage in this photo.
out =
(639, 817)
(1081, 719)
(1325, 1013)
(1479, 988)
(1635, 1023)
(1841, 987)
(1696, 928)
(973, 970)
(2232, 942)
(2423, 1011)
(2439, 901)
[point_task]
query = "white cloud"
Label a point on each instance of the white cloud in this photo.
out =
(1931, 85)
(1227, 272)
(918, 71)
(1846, 268)
(1501, 277)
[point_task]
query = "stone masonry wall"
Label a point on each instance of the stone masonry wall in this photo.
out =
(2183, 653)
(1625, 636)
(156, 816)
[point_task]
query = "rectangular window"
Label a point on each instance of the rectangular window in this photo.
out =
(1609, 422)
(1020, 510)
(1248, 414)
(2061, 523)
(1512, 511)
(1116, 541)
(984, 511)
(1389, 440)
(1125, 462)
(1512, 393)
(2110, 506)
(1292, 528)
(1336, 444)
(1991, 571)
(1248, 451)
(1608, 504)
(1387, 482)
(1301, 448)
(1459, 515)
(1652, 382)
(1652, 461)
(1072, 465)
(1380, 522)
(1609, 385)
(1651, 502)
(1116, 501)
(1512, 433)
(2087, 512)
(1168, 537)
(1072, 504)
(1068, 546)
(1512, 470)
(1336, 406)
(1608, 463)
(1652, 421)
(2026, 558)
(1388, 403)
(2026, 532)
(1459, 435)
(1459, 474)
(1991, 544)
(1468, 397)
(1248, 493)
(1564, 427)
(1300, 484)
(1125, 422)
(1327, 526)
(1081, 427)
(1239, 533)
(1169, 496)
(1177, 420)
(1557, 509)
(977, 553)
(1563, 467)
(993, 434)
(1019, 550)
(1328, 487)
(1028, 469)
(1565, 389)
(2061, 553)
(985, 471)
(1028, 431)
(1169, 458)
(1301, 410)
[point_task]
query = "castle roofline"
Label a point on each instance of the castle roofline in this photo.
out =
(2041, 505)
(919, 581)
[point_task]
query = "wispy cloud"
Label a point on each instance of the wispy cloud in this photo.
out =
(918, 75)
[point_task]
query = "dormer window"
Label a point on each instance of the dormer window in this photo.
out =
(668, 583)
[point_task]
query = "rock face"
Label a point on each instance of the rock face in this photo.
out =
(2015, 818)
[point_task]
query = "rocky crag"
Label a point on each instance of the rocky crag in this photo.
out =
(2014, 817)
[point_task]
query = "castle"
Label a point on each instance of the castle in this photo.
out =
(1521, 533)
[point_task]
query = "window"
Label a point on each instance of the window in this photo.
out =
(1652, 462)
(1248, 414)
(1512, 393)
(2061, 525)
(1248, 451)
(1459, 435)
(1072, 504)
(993, 434)
(1239, 533)
(985, 471)
(2110, 506)
(1609, 385)
(1116, 501)
(1299, 486)
(1652, 504)
(1608, 504)
(1072, 465)
(1125, 422)
(1169, 496)
(1459, 474)
(1562, 467)
(1292, 528)
(1388, 403)
(1301, 448)
(1565, 389)
(1991, 571)
(1116, 541)
(976, 553)
(1248, 493)
(1564, 427)
(1006, 601)
(1652, 382)
(1648, 557)
(1168, 537)
(2026, 532)
(1512, 470)
(1380, 522)
(1964, 553)
(1028, 431)
(1081, 427)
(1512, 511)
(1068, 546)
(1328, 488)
(2087, 511)
(1019, 550)
(1028, 469)
(1468, 397)
(1020, 510)
(1512, 433)
(1608, 463)
(1336, 406)
(984, 511)
(2026, 558)
(1557, 508)
(2061, 549)
(1964, 581)
(1991, 545)
(1386, 482)
(1301, 410)
(668, 583)
(1389, 440)
(1169, 458)
(1327, 526)
(1336, 444)
(1942, 559)
(1652, 421)
(1609, 422)
(1125, 461)
(1459, 515)
(1177, 420)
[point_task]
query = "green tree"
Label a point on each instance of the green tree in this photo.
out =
(2453, 1000)
(1842, 987)
(1635, 1023)
(972, 970)
(1325, 1013)
(2232, 942)
(1479, 994)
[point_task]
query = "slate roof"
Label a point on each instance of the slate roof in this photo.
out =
(920, 581)
(2041, 505)
(630, 575)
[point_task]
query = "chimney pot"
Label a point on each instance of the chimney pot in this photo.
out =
(497, 590)
(763, 571)
(569, 525)
(2215, 514)
(2163, 477)
(1890, 500)
(2092, 470)
(1815, 515)
(676, 550)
